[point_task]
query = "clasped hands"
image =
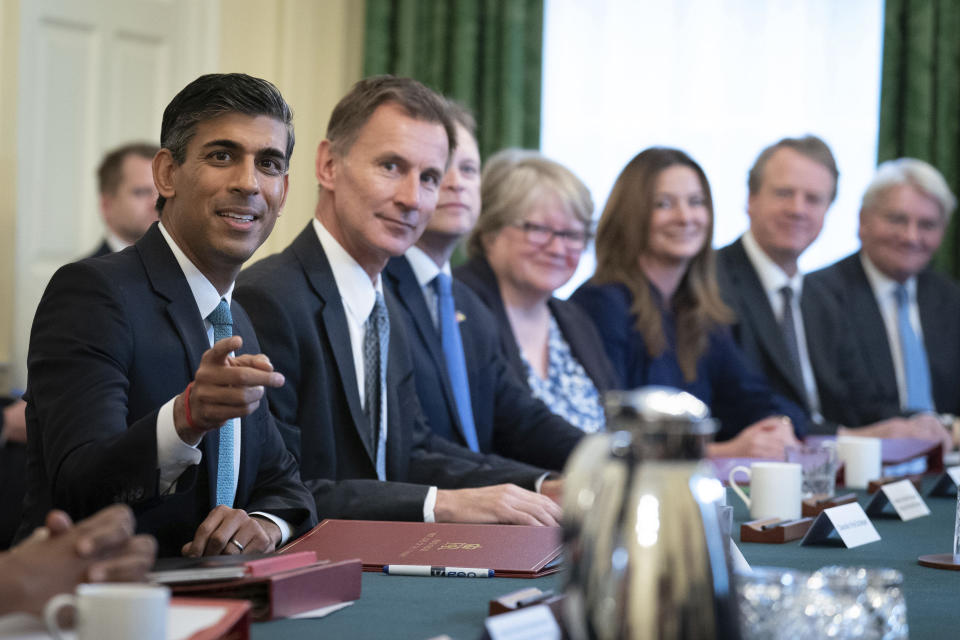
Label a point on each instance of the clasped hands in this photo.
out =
(226, 387)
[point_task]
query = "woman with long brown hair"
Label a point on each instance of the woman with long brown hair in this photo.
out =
(655, 301)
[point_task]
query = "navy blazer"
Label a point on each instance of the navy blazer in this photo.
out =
(938, 299)
(737, 395)
(114, 338)
(843, 386)
(576, 327)
(293, 300)
(509, 421)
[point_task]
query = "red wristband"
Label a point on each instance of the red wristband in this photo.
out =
(186, 405)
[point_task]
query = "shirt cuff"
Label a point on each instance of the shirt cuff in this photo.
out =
(284, 526)
(429, 504)
(173, 454)
(540, 480)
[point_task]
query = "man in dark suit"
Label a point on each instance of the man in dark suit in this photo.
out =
(145, 382)
(499, 414)
(349, 408)
(127, 195)
(905, 315)
(799, 336)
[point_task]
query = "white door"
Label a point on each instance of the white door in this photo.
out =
(93, 74)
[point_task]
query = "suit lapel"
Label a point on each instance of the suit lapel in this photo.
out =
(870, 325)
(319, 274)
(410, 297)
(746, 281)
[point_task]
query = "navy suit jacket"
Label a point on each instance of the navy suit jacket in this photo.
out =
(293, 300)
(509, 421)
(845, 392)
(938, 299)
(576, 327)
(737, 395)
(114, 338)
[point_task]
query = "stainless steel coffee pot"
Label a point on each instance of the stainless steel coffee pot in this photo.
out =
(644, 551)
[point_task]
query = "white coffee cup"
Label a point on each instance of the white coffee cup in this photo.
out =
(861, 459)
(774, 489)
(113, 612)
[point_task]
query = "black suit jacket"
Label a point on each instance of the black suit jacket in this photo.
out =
(577, 328)
(114, 338)
(294, 302)
(939, 301)
(846, 394)
(509, 421)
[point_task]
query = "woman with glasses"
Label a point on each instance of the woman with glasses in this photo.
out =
(655, 299)
(533, 226)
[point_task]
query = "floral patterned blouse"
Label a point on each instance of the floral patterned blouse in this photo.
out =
(567, 390)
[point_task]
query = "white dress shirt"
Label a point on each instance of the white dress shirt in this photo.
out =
(773, 279)
(425, 270)
(173, 454)
(358, 294)
(115, 242)
(884, 290)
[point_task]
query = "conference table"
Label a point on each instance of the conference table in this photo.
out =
(421, 608)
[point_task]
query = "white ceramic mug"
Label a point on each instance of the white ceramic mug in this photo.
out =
(774, 489)
(861, 459)
(113, 612)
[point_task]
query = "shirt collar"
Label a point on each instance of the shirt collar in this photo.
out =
(772, 277)
(882, 285)
(356, 290)
(424, 268)
(204, 293)
(115, 242)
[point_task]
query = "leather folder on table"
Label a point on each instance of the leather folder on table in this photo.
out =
(286, 593)
(230, 619)
(512, 551)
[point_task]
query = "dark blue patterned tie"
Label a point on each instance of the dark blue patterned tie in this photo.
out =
(915, 367)
(222, 322)
(376, 343)
(453, 354)
(789, 330)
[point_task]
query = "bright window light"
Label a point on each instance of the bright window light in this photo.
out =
(720, 79)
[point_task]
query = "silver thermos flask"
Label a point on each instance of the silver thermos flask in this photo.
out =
(644, 550)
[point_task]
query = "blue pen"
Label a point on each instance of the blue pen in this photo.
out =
(435, 572)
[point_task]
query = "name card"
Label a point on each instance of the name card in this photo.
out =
(524, 624)
(946, 484)
(848, 523)
(904, 499)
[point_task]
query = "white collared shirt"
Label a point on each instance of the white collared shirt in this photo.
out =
(885, 291)
(115, 242)
(773, 279)
(173, 454)
(426, 270)
(358, 294)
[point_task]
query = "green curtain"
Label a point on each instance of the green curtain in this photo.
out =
(920, 96)
(484, 53)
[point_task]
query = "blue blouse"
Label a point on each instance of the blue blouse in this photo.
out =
(737, 394)
(567, 389)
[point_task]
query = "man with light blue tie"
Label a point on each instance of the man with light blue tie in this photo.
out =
(145, 381)
(906, 315)
(468, 391)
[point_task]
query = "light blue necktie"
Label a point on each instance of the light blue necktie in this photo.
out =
(222, 322)
(376, 344)
(453, 354)
(915, 367)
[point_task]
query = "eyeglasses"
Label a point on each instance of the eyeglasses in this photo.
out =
(540, 236)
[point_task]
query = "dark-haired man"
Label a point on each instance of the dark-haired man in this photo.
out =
(145, 382)
(796, 333)
(127, 195)
(350, 404)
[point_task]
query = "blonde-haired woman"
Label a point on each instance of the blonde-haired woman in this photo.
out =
(655, 300)
(533, 227)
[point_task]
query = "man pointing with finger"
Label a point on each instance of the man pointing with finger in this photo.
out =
(145, 384)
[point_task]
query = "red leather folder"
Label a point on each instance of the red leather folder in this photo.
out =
(286, 593)
(512, 551)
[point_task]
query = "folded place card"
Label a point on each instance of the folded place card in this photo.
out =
(532, 622)
(946, 484)
(847, 523)
(903, 497)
